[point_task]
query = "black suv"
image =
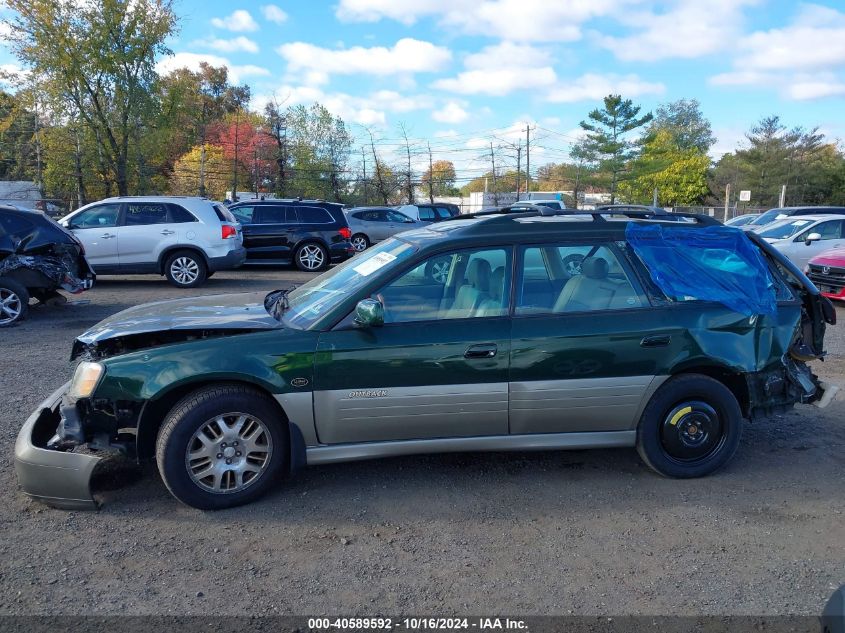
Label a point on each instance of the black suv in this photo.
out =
(309, 233)
(37, 258)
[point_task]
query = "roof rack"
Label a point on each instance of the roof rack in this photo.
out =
(597, 215)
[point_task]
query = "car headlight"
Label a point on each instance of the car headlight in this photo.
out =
(85, 379)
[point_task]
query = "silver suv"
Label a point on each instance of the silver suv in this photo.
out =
(184, 239)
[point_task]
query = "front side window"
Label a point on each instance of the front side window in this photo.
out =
(457, 285)
(102, 216)
(312, 301)
(427, 214)
(831, 230)
(144, 213)
(395, 216)
(561, 279)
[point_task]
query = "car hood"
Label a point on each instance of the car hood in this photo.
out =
(830, 258)
(177, 320)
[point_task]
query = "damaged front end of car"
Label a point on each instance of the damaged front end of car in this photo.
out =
(61, 444)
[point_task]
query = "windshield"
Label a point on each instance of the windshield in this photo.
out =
(769, 216)
(782, 230)
(313, 300)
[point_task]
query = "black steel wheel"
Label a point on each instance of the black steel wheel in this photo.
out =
(690, 428)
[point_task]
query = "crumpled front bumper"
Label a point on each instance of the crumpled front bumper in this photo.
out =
(53, 477)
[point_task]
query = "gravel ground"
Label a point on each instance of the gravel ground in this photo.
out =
(587, 532)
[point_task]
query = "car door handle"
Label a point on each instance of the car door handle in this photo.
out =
(486, 350)
(107, 236)
(167, 232)
(659, 340)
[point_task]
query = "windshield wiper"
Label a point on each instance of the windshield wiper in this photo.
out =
(276, 302)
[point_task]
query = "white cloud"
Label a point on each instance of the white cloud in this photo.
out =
(500, 69)
(239, 21)
(237, 44)
(450, 113)
(192, 61)
(593, 87)
(445, 134)
(406, 56)
(689, 29)
(802, 61)
(367, 110)
(274, 14)
(523, 20)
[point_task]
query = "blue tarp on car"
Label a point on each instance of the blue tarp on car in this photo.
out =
(714, 263)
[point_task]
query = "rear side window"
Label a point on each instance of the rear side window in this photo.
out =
(444, 213)
(145, 213)
(223, 214)
(370, 216)
(179, 214)
(274, 215)
(314, 215)
(562, 279)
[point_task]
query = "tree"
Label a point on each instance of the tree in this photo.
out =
(685, 123)
(98, 58)
(439, 179)
(607, 136)
(218, 172)
(276, 128)
(679, 175)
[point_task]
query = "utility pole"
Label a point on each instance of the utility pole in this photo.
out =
(40, 182)
(235, 161)
(202, 171)
(255, 168)
(495, 190)
(364, 159)
(518, 166)
(727, 200)
(527, 162)
(782, 197)
(430, 176)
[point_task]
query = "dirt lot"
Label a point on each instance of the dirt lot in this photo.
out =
(536, 533)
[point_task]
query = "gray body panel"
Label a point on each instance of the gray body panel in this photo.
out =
(534, 442)
(56, 478)
(579, 405)
(431, 411)
(299, 408)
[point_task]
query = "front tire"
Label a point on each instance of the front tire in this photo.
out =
(14, 302)
(311, 257)
(691, 427)
(186, 269)
(222, 446)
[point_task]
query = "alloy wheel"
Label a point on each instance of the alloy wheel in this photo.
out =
(10, 306)
(184, 270)
(229, 453)
(311, 257)
(359, 243)
(440, 271)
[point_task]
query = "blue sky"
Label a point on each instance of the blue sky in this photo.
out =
(460, 73)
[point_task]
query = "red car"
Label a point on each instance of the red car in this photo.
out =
(827, 271)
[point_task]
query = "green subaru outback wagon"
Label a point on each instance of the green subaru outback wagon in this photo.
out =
(532, 331)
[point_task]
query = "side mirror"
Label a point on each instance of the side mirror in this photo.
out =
(812, 237)
(369, 313)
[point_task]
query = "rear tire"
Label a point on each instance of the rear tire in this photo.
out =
(691, 427)
(311, 257)
(14, 302)
(222, 446)
(186, 269)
